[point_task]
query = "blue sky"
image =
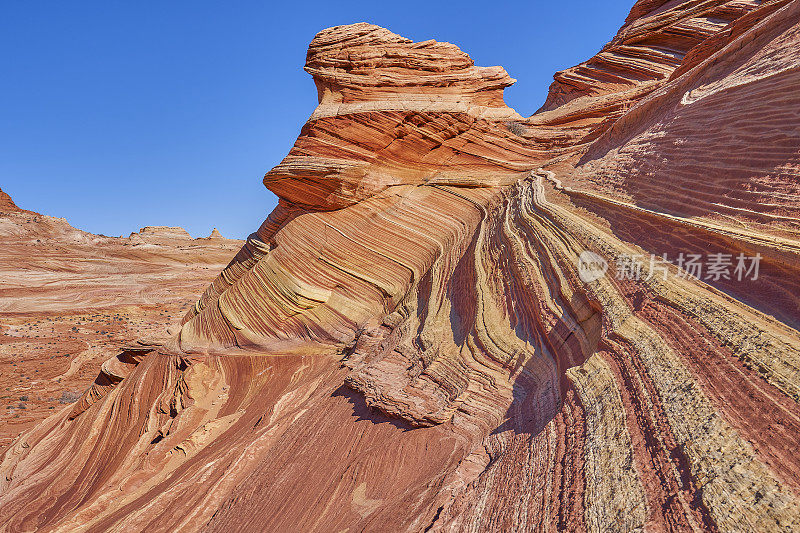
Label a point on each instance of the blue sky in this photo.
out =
(118, 115)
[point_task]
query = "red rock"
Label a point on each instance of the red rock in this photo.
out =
(6, 203)
(408, 341)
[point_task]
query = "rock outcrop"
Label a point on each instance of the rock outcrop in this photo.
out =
(164, 232)
(160, 235)
(391, 113)
(215, 234)
(6, 203)
(460, 319)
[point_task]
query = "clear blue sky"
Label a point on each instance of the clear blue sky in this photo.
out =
(118, 115)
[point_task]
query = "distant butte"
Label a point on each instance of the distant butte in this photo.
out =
(461, 319)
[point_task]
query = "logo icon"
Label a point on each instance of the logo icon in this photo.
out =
(591, 266)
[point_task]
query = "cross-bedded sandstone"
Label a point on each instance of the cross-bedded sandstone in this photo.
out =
(407, 342)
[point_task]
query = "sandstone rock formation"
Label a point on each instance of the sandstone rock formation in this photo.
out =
(408, 342)
(70, 299)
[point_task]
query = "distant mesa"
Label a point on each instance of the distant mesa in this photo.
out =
(160, 235)
(164, 231)
(169, 235)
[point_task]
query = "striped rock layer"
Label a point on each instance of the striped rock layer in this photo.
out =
(407, 342)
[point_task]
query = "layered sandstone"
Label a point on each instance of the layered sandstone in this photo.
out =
(408, 343)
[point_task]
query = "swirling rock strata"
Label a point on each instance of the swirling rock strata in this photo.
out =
(408, 343)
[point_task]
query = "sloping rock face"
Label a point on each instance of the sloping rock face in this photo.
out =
(6, 203)
(421, 336)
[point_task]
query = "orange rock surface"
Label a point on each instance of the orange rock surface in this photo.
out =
(410, 341)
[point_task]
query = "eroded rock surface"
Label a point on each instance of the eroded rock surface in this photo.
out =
(408, 343)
